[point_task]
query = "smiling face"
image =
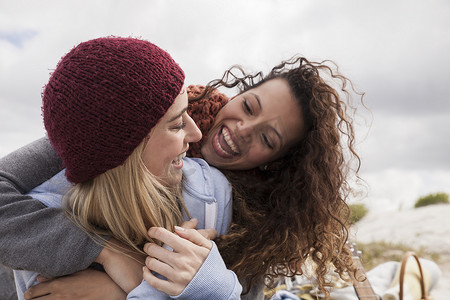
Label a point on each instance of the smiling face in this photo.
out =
(169, 140)
(254, 128)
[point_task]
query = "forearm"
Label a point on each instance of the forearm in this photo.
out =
(29, 166)
(32, 236)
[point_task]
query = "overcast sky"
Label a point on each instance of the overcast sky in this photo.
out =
(397, 52)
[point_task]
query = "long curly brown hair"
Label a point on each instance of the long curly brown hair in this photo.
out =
(295, 208)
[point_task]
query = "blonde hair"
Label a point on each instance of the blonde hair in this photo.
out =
(125, 202)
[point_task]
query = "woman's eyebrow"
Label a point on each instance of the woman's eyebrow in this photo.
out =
(178, 115)
(257, 99)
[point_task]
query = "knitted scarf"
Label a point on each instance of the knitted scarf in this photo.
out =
(203, 111)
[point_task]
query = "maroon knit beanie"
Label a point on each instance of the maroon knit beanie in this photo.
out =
(104, 98)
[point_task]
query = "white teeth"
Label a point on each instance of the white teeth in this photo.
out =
(179, 158)
(221, 149)
(229, 141)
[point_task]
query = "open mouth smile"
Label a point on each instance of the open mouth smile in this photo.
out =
(178, 161)
(224, 144)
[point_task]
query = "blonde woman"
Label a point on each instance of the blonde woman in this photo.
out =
(115, 111)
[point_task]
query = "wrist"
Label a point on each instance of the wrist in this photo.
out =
(103, 256)
(107, 253)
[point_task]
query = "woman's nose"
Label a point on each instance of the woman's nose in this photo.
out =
(193, 133)
(245, 131)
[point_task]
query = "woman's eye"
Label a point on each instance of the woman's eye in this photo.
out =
(180, 126)
(247, 107)
(267, 141)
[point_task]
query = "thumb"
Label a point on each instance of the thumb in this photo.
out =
(194, 236)
(191, 224)
(210, 233)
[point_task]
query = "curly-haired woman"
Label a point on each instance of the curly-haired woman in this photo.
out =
(290, 202)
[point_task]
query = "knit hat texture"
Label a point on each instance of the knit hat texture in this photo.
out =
(103, 99)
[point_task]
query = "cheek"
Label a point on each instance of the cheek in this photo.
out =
(258, 156)
(150, 158)
(155, 155)
(229, 111)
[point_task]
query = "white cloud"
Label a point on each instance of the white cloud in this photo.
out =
(407, 143)
(396, 51)
(392, 189)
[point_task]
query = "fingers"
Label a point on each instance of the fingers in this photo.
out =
(160, 284)
(158, 266)
(41, 278)
(210, 233)
(191, 224)
(190, 249)
(194, 236)
(178, 244)
(86, 284)
(167, 237)
(36, 291)
(46, 297)
(153, 250)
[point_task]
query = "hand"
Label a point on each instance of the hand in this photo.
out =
(124, 270)
(210, 234)
(87, 284)
(190, 249)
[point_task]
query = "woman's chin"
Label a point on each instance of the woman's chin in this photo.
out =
(222, 163)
